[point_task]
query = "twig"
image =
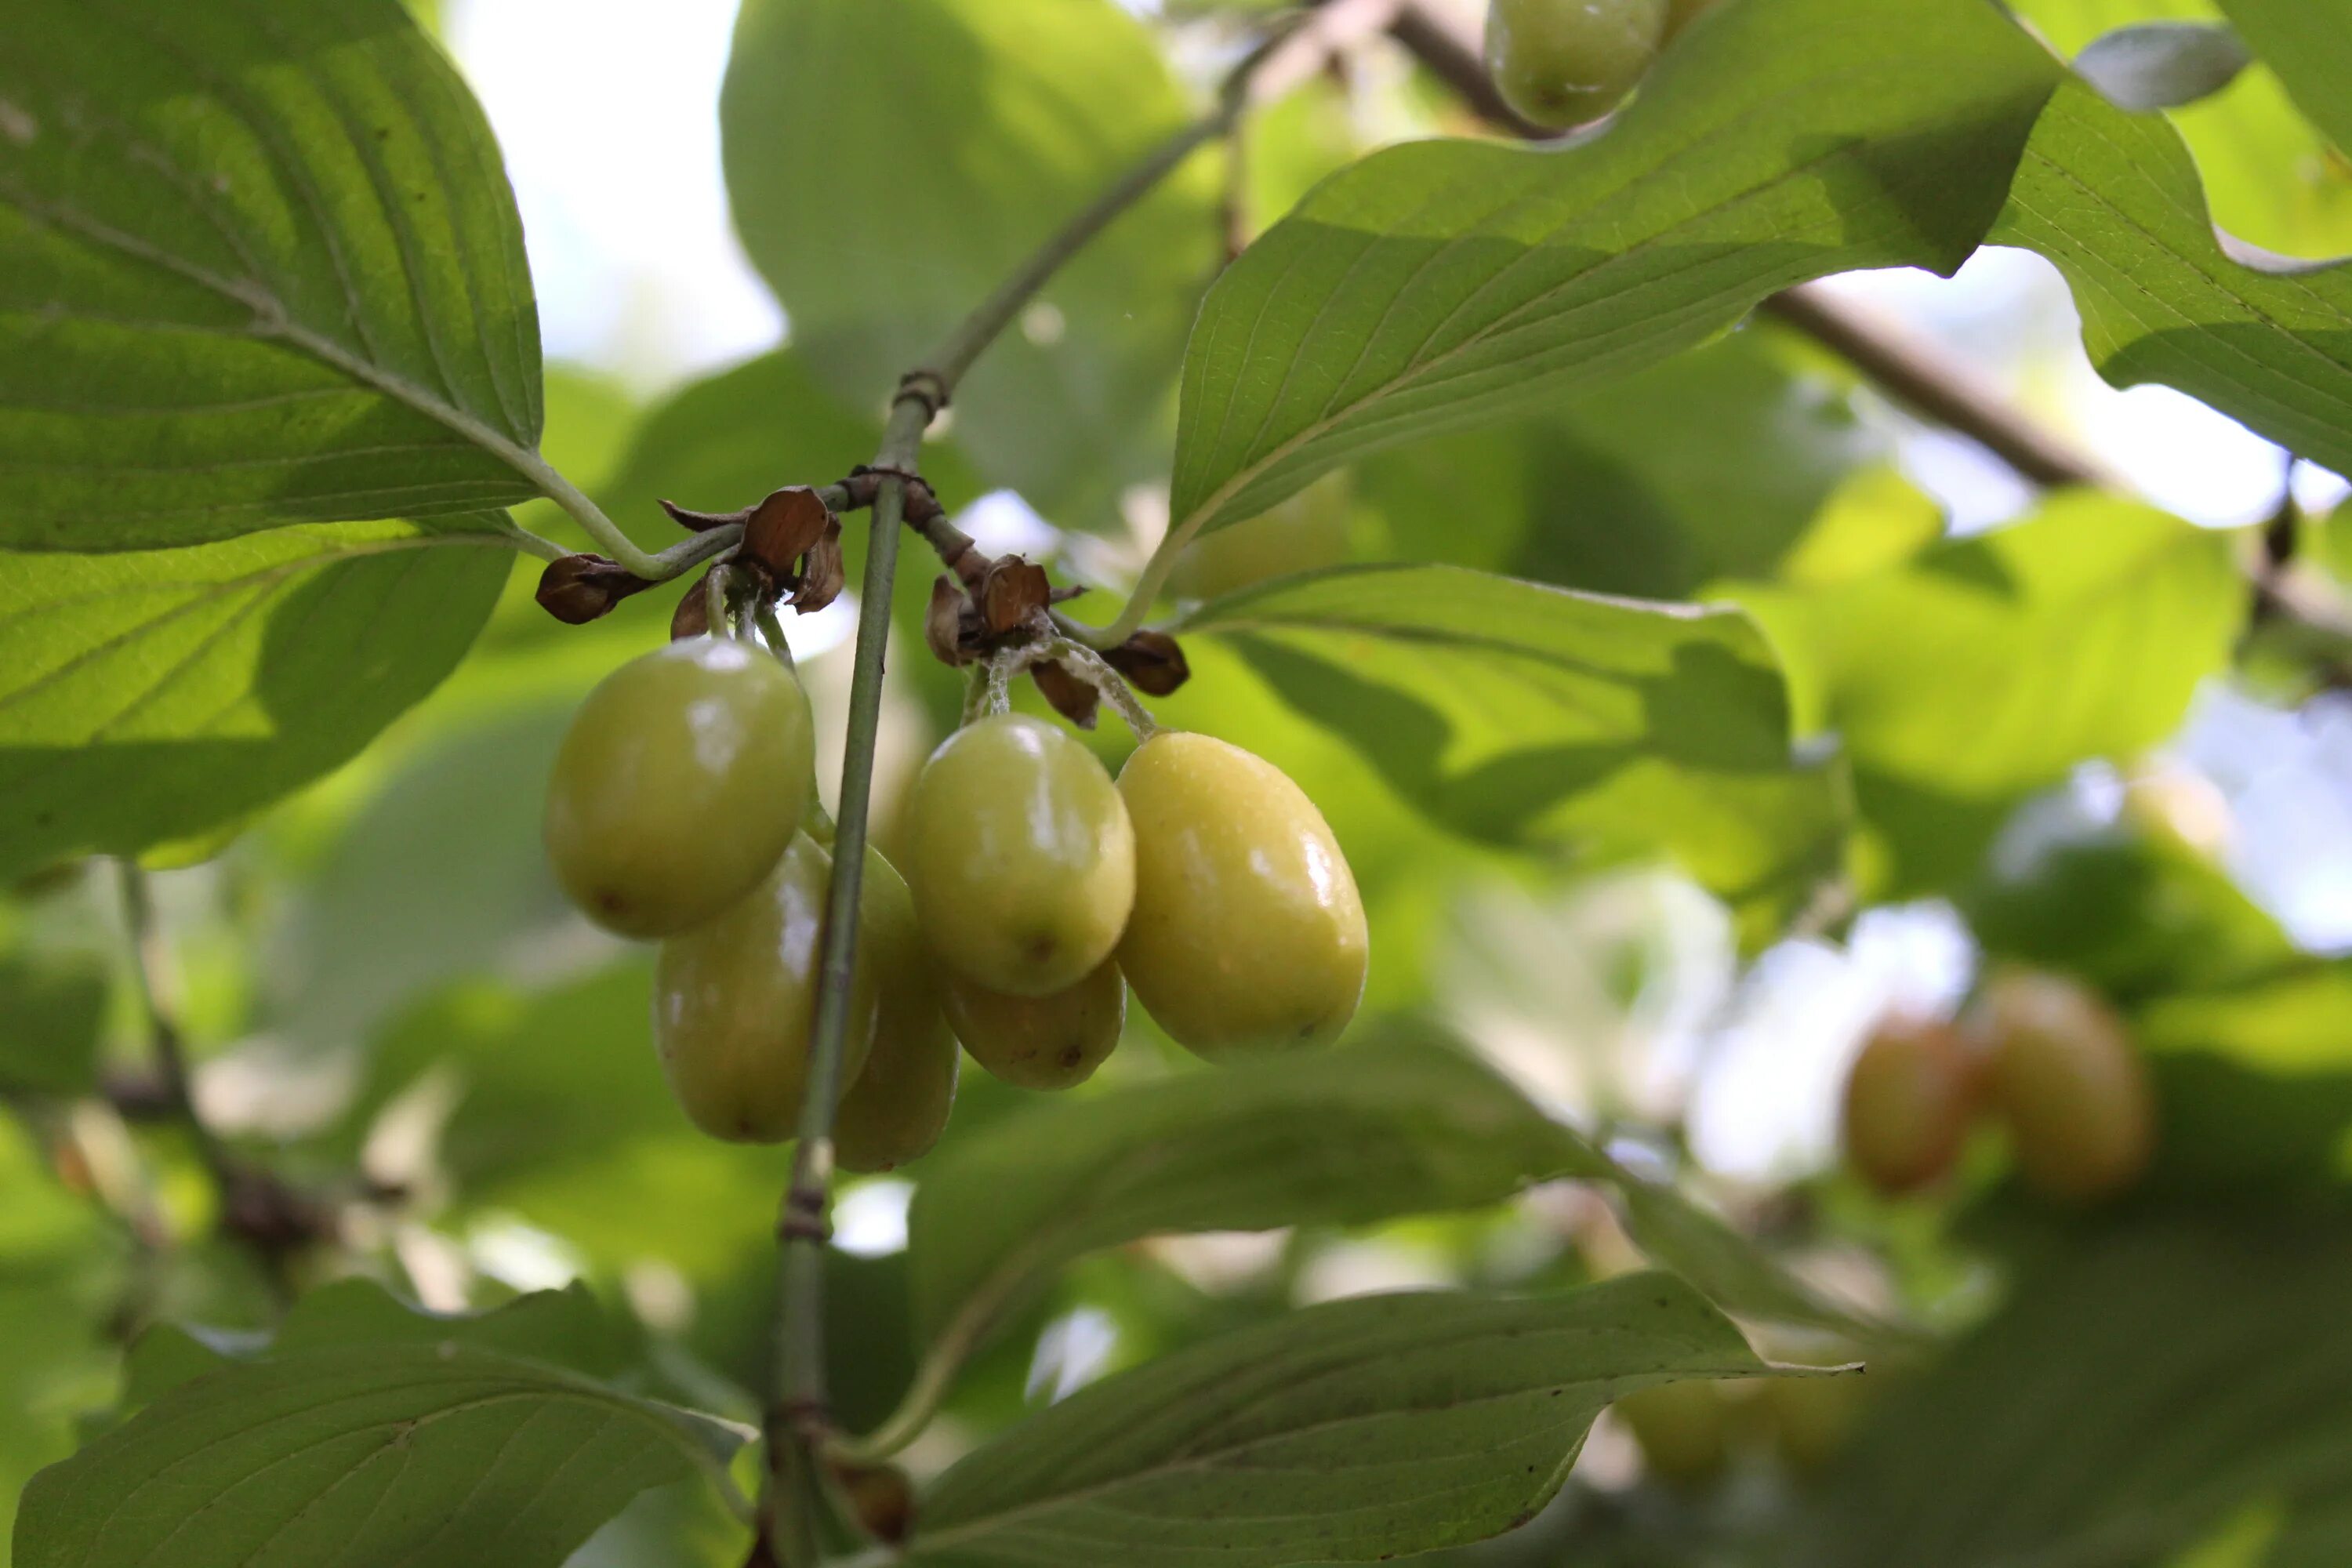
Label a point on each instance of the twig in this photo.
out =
(1918, 374)
(799, 1418)
(1910, 370)
(252, 1206)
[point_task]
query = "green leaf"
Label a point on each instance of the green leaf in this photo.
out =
(1986, 668)
(1442, 283)
(420, 1452)
(2309, 44)
(1718, 463)
(2138, 1389)
(1529, 716)
(1357, 1430)
(2114, 200)
(560, 1117)
(890, 165)
(1384, 1127)
(2162, 65)
(50, 1014)
(258, 264)
(1727, 1267)
(564, 1328)
(148, 696)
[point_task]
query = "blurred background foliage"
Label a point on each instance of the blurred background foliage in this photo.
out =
(2069, 745)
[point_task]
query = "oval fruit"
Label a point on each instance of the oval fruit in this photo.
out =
(1908, 1103)
(2072, 1088)
(734, 1000)
(1042, 1042)
(1560, 63)
(1304, 534)
(679, 783)
(1019, 857)
(1683, 1430)
(1248, 933)
(896, 1109)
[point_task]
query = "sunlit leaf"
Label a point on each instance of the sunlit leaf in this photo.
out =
(147, 696)
(1440, 284)
(2309, 44)
(2114, 200)
(258, 264)
(1985, 668)
(1533, 717)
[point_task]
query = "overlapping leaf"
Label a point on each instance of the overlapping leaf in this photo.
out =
(148, 695)
(1531, 716)
(1438, 284)
(1358, 1430)
(2114, 200)
(258, 263)
(1985, 668)
(2309, 44)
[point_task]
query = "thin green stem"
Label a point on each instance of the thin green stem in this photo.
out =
(799, 1417)
(953, 357)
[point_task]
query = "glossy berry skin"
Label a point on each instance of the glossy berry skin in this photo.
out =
(1909, 1100)
(2072, 1088)
(1042, 1042)
(735, 998)
(680, 782)
(1019, 857)
(1248, 933)
(896, 1109)
(1561, 63)
(1683, 1430)
(1305, 533)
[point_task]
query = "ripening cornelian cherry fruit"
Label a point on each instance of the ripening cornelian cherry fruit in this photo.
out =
(1019, 855)
(1560, 63)
(1909, 1100)
(735, 1002)
(2071, 1085)
(897, 1107)
(1042, 1042)
(1248, 933)
(681, 780)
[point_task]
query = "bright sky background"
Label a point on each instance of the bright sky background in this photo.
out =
(608, 113)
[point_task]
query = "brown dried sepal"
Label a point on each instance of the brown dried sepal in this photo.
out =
(1012, 592)
(881, 1497)
(785, 526)
(949, 622)
(1073, 697)
(577, 589)
(822, 575)
(692, 617)
(1152, 662)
